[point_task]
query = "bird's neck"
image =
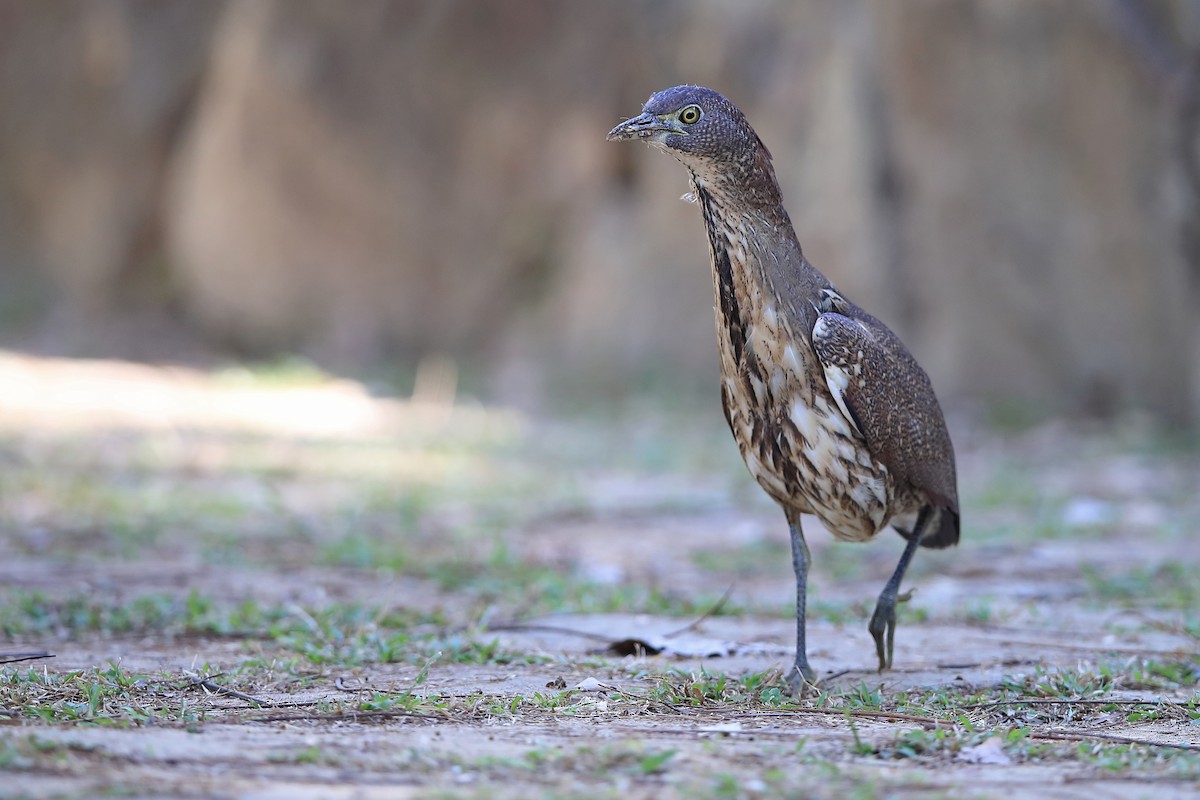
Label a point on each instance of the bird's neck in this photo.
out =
(746, 219)
(756, 257)
(748, 184)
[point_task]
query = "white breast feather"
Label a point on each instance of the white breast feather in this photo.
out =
(791, 360)
(803, 419)
(838, 381)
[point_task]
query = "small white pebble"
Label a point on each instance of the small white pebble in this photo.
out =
(1085, 512)
(607, 574)
(1145, 515)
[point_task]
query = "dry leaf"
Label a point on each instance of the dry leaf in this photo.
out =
(989, 751)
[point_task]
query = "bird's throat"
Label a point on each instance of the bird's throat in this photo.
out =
(725, 282)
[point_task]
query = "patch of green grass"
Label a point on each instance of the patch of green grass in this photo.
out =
(606, 763)
(1171, 585)
(1010, 485)
(972, 717)
(337, 634)
(1125, 758)
(1011, 504)
(28, 614)
(819, 780)
(862, 696)
(404, 701)
(981, 610)
(311, 754)
(1061, 684)
(836, 611)
(760, 690)
(842, 562)
(1162, 673)
(34, 752)
(235, 496)
(352, 635)
(441, 505)
(495, 576)
(111, 696)
(106, 695)
(671, 689)
(759, 557)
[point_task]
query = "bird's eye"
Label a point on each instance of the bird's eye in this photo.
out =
(690, 115)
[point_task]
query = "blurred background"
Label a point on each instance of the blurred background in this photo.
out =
(1013, 185)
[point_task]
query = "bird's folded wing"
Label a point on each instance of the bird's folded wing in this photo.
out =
(885, 394)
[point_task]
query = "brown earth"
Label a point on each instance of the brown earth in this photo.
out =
(1012, 610)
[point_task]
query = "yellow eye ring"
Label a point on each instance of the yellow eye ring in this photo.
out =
(690, 115)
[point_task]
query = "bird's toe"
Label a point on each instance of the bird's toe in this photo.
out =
(802, 680)
(883, 630)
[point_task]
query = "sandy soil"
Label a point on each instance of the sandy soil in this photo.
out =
(989, 612)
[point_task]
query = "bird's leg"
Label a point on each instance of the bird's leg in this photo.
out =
(802, 675)
(883, 621)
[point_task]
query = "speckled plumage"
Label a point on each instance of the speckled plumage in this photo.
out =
(830, 411)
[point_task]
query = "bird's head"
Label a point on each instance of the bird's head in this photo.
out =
(700, 128)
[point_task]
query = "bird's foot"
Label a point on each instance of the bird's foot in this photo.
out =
(802, 679)
(883, 625)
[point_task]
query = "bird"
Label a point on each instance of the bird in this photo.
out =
(832, 414)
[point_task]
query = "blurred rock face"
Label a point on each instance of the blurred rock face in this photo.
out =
(93, 97)
(997, 179)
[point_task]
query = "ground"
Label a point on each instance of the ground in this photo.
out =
(273, 584)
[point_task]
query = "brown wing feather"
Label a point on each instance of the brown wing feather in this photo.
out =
(890, 400)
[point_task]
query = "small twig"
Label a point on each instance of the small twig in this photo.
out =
(12, 658)
(1166, 627)
(1065, 736)
(307, 619)
(1045, 702)
(674, 708)
(595, 637)
(225, 690)
(929, 723)
(737, 732)
(522, 627)
(1139, 777)
(349, 716)
(206, 683)
(1085, 736)
(716, 607)
(1136, 651)
(422, 674)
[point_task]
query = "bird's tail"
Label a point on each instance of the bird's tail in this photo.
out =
(936, 525)
(943, 531)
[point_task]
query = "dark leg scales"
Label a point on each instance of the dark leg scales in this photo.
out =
(883, 621)
(801, 677)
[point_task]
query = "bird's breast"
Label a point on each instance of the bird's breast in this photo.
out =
(796, 442)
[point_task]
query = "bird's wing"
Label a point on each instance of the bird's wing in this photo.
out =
(885, 394)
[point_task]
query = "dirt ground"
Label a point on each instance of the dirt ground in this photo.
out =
(259, 589)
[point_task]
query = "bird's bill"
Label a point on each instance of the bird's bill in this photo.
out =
(643, 126)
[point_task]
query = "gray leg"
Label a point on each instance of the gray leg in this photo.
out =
(802, 675)
(883, 621)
